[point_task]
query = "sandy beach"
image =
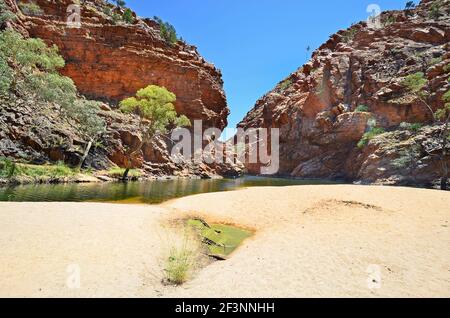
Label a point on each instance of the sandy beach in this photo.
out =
(310, 241)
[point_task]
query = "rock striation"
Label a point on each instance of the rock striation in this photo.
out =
(316, 107)
(109, 61)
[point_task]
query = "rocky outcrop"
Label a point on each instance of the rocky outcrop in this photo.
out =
(111, 61)
(315, 107)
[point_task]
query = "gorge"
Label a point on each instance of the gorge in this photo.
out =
(354, 83)
(346, 114)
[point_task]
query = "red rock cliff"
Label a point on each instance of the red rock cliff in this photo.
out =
(112, 61)
(315, 106)
(109, 61)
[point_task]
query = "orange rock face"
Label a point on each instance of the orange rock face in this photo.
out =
(110, 61)
(315, 106)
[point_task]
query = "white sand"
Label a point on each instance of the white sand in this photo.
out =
(308, 243)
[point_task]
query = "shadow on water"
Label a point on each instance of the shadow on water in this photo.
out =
(149, 192)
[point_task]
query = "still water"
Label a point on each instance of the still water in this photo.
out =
(150, 192)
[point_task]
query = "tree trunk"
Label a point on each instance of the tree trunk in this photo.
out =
(444, 186)
(130, 159)
(444, 177)
(444, 165)
(86, 153)
(125, 175)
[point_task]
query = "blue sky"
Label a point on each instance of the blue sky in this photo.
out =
(257, 43)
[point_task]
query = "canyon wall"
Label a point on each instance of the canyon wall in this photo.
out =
(109, 61)
(316, 107)
(112, 61)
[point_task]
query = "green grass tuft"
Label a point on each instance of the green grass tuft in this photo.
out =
(181, 260)
(362, 109)
(368, 136)
(10, 169)
(118, 173)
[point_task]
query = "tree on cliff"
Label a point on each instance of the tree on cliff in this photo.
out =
(410, 5)
(156, 111)
(128, 16)
(83, 116)
(120, 3)
(416, 85)
(29, 68)
(167, 31)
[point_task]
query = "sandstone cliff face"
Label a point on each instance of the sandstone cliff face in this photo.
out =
(315, 106)
(111, 62)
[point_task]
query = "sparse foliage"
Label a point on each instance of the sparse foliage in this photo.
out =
(116, 18)
(285, 84)
(8, 168)
(368, 136)
(435, 11)
(349, 34)
(411, 127)
(416, 85)
(389, 20)
(29, 66)
(167, 31)
(30, 8)
(362, 109)
(408, 158)
(83, 115)
(156, 111)
(128, 16)
(180, 263)
(5, 14)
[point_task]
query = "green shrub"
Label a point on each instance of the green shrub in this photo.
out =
(416, 83)
(349, 34)
(5, 14)
(368, 136)
(167, 31)
(447, 68)
(52, 87)
(107, 11)
(362, 109)
(8, 168)
(411, 127)
(434, 61)
(407, 159)
(6, 76)
(435, 11)
(128, 16)
(35, 70)
(285, 84)
(116, 18)
(30, 8)
(389, 20)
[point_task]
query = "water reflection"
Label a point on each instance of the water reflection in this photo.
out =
(151, 192)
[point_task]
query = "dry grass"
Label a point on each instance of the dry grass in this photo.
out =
(182, 257)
